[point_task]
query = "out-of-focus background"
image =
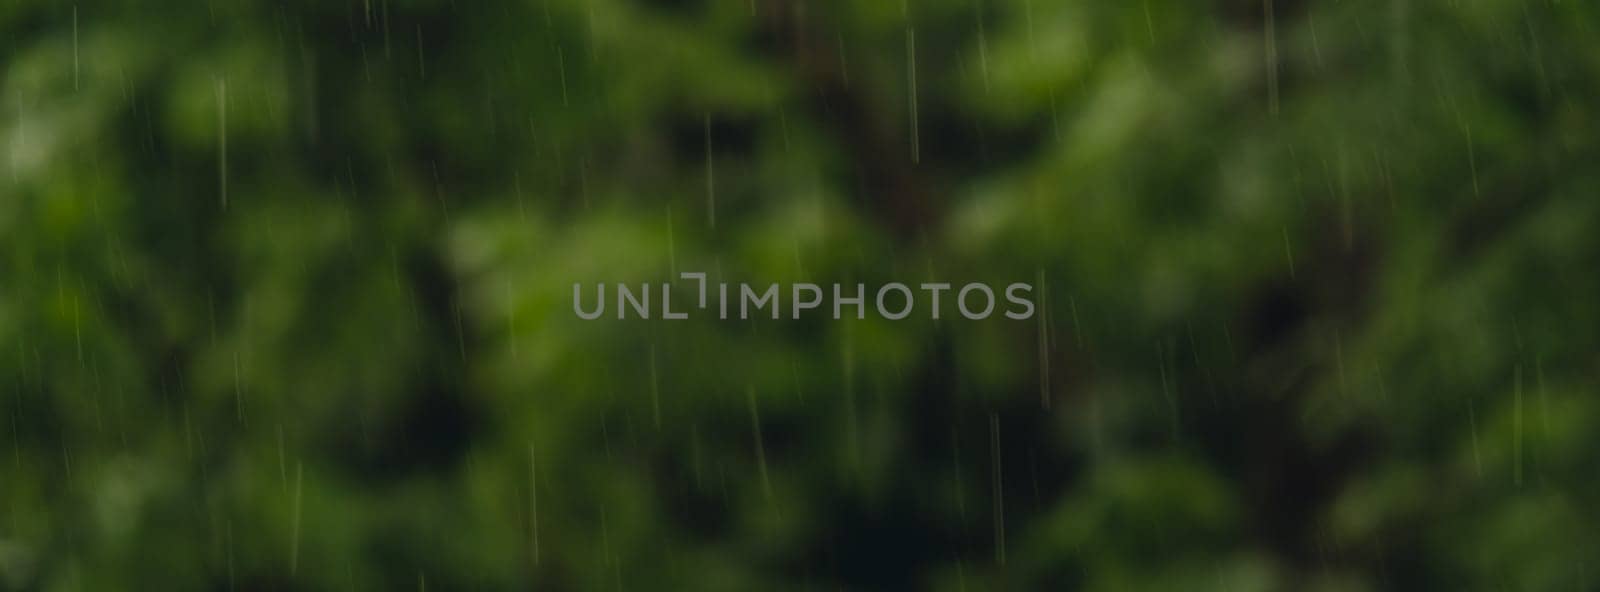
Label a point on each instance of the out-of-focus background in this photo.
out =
(285, 294)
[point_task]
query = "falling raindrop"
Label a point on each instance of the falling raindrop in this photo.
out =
(1472, 423)
(533, 496)
(655, 389)
(761, 449)
(222, 139)
(238, 395)
(1517, 421)
(672, 245)
(711, 176)
(1166, 390)
(422, 66)
(1044, 341)
(74, 47)
(1338, 361)
(294, 539)
(1270, 38)
(1288, 251)
(911, 86)
(998, 490)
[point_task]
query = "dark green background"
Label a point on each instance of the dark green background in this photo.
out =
(285, 294)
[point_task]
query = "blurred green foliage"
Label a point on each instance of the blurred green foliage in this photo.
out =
(285, 294)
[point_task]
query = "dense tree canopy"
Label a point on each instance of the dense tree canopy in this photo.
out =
(285, 295)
